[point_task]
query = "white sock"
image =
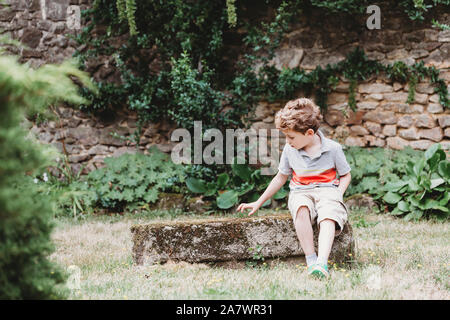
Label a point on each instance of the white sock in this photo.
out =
(322, 260)
(311, 259)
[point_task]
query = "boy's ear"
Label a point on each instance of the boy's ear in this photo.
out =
(310, 132)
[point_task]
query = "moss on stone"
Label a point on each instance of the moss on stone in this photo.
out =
(223, 239)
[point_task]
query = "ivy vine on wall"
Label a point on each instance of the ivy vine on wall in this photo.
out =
(177, 62)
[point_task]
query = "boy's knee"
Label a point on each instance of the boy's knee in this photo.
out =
(302, 213)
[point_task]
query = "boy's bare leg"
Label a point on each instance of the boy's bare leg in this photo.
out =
(304, 230)
(326, 238)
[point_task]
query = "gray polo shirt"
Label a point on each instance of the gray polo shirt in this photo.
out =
(320, 171)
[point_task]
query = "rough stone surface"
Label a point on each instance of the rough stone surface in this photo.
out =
(375, 88)
(383, 117)
(359, 130)
(390, 130)
(405, 121)
(421, 144)
(444, 121)
(409, 134)
(396, 143)
(226, 239)
(434, 134)
(382, 108)
(425, 121)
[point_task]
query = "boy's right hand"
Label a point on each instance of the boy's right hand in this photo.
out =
(254, 206)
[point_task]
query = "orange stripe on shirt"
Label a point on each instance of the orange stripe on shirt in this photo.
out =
(325, 176)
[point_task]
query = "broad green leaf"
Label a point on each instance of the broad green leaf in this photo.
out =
(394, 186)
(403, 205)
(245, 189)
(413, 186)
(227, 199)
(432, 150)
(242, 171)
(196, 185)
(222, 180)
(444, 200)
(414, 215)
(436, 182)
(434, 204)
(211, 189)
(418, 167)
(392, 198)
(410, 168)
(444, 169)
(396, 212)
(436, 158)
(281, 194)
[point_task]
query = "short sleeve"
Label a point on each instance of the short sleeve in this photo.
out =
(284, 166)
(341, 163)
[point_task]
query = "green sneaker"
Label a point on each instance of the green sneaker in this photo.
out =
(311, 269)
(319, 271)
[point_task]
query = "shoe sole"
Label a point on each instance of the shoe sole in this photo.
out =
(319, 272)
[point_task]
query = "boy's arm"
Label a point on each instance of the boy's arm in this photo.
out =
(344, 181)
(277, 182)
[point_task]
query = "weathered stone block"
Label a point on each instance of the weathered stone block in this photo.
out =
(435, 108)
(425, 121)
(447, 132)
(396, 96)
(434, 98)
(56, 10)
(334, 118)
(355, 141)
(424, 88)
(374, 141)
(384, 117)
(375, 88)
(367, 105)
(434, 134)
(359, 130)
(288, 58)
(226, 239)
(390, 130)
(444, 121)
(373, 127)
(420, 98)
(405, 121)
(421, 144)
(409, 134)
(396, 143)
(31, 37)
(355, 117)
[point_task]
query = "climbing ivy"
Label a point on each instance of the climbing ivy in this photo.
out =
(174, 67)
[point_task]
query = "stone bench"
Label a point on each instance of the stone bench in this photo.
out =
(226, 239)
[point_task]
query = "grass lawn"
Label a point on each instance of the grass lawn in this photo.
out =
(394, 260)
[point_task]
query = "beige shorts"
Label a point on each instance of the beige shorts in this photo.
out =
(322, 202)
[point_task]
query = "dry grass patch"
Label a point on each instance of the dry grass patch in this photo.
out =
(394, 260)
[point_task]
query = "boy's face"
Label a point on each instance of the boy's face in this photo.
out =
(299, 140)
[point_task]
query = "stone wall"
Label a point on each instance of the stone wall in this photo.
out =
(383, 118)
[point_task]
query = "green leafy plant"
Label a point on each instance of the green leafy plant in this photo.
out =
(425, 190)
(257, 257)
(244, 184)
(26, 271)
(135, 179)
(372, 167)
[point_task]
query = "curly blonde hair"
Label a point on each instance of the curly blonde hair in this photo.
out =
(299, 115)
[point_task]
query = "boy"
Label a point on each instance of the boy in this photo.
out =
(316, 192)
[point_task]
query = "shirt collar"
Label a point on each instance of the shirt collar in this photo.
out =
(325, 146)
